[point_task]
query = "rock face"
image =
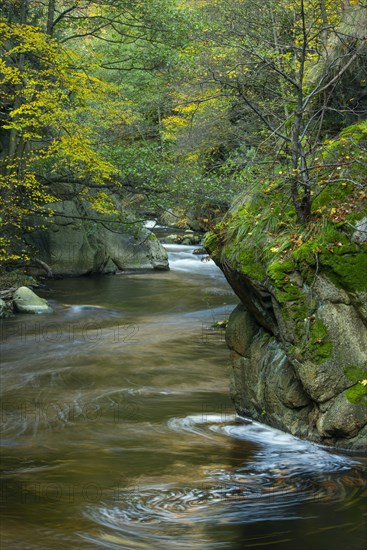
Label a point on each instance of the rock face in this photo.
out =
(26, 301)
(299, 339)
(72, 245)
(289, 358)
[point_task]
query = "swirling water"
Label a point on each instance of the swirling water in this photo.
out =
(118, 433)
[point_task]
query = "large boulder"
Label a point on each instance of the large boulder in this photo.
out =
(26, 301)
(275, 383)
(72, 244)
(298, 341)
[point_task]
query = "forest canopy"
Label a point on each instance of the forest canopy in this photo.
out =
(144, 106)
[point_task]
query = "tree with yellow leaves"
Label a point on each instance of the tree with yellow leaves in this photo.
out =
(47, 109)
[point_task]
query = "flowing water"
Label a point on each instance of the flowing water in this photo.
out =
(118, 433)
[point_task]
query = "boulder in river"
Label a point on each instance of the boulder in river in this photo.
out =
(26, 301)
(73, 244)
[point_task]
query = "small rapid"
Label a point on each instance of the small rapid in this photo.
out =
(183, 258)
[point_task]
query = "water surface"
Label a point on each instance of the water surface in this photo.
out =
(118, 433)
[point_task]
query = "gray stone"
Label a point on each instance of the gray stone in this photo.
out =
(296, 278)
(320, 381)
(328, 292)
(347, 332)
(240, 331)
(72, 246)
(294, 337)
(281, 384)
(360, 234)
(26, 301)
(265, 387)
(341, 418)
(171, 239)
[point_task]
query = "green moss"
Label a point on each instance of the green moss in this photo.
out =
(332, 195)
(279, 274)
(318, 348)
(299, 311)
(348, 270)
(263, 241)
(246, 261)
(357, 394)
(307, 252)
(279, 271)
(331, 250)
(289, 293)
(355, 373)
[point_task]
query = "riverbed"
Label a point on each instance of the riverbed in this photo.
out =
(118, 431)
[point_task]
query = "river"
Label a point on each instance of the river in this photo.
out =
(118, 432)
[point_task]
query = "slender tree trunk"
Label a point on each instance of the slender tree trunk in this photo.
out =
(325, 22)
(24, 7)
(159, 115)
(276, 44)
(50, 17)
(299, 184)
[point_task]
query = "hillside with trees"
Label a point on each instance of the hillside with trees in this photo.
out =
(135, 106)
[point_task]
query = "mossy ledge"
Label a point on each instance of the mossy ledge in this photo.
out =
(306, 288)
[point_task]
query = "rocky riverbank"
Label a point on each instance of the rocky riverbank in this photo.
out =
(73, 244)
(22, 300)
(298, 341)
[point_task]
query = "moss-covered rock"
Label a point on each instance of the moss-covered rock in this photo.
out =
(304, 316)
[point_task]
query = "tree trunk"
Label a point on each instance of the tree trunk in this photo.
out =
(50, 17)
(24, 7)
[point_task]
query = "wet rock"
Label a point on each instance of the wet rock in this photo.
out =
(187, 238)
(341, 418)
(240, 331)
(26, 301)
(171, 239)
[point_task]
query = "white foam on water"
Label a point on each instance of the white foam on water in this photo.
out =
(181, 258)
(152, 224)
(281, 449)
